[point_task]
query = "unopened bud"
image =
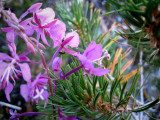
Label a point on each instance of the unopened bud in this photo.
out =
(41, 46)
(31, 48)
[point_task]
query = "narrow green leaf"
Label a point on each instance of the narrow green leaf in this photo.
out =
(96, 98)
(146, 106)
(89, 90)
(95, 78)
(122, 91)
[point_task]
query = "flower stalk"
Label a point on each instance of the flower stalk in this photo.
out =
(69, 73)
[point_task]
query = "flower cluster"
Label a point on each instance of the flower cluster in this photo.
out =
(42, 22)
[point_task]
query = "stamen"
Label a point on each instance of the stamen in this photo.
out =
(39, 94)
(106, 54)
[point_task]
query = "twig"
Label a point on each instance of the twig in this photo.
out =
(10, 106)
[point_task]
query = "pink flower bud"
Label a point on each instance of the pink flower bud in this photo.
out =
(31, 48)
(41, 46)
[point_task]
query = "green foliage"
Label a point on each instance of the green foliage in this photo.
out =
(144, 15)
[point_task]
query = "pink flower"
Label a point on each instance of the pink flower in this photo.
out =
(43, 26)
(10, 67)
(15, 28)
(35, 89)
(71, 39)
(90, 55)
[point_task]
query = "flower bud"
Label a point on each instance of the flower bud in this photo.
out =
(31, 48)
(41, 46)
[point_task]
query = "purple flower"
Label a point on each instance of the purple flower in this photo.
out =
(71, 39)
(10, 67)
(35, 90)
(91, 55)
(15, 28)
(64, 117)
(46, 17)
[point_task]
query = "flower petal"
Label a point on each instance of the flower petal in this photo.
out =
(27, 21)
(34, 7)
(3, 66)
(66, 41)
(45, 95)
(39, 80)
(25, 90)
(8, 90)
(44, 38)
(73, 117)
(99, 71)
(7, 29)
(24, 58)
(12, 48)
(57, 32)
(11, 36)
(38, 34)
(87, 65)
(45, 15)
(36, 20)
(28, 30)
(56, 43)
(56, 64)
(50, 24)
(93, 51)
(26, 72)
(4, 56)
(69, 51)
(74, 42)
